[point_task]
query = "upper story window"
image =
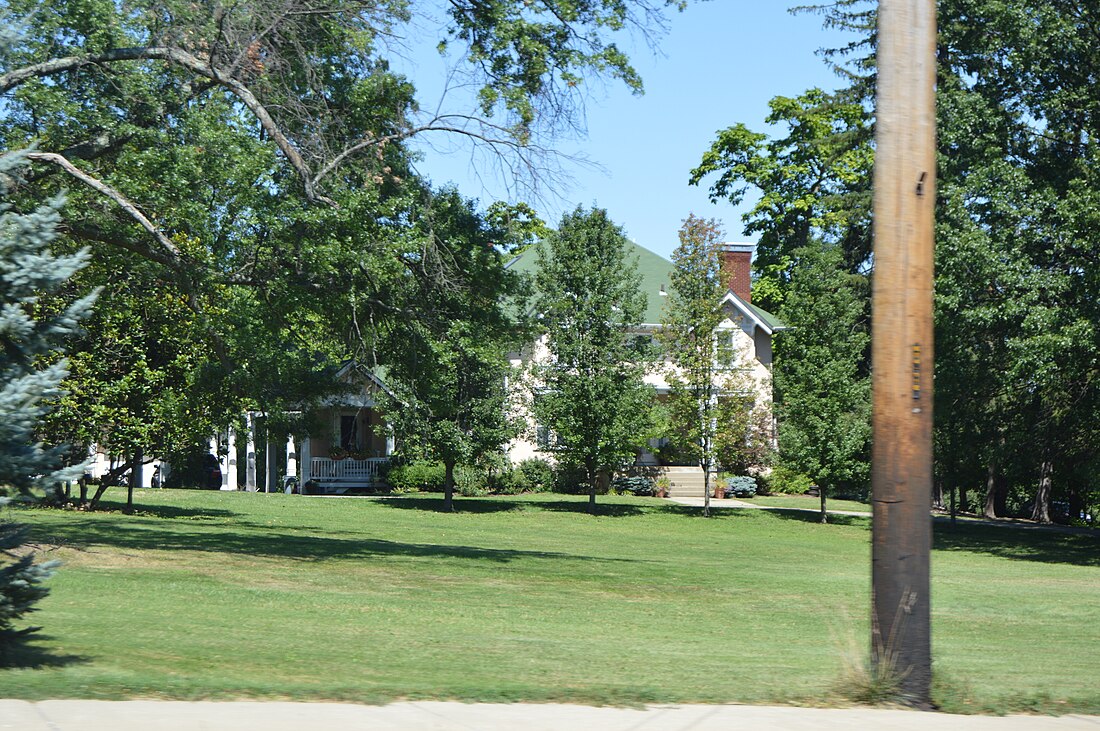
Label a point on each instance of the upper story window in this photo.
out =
(726, 348)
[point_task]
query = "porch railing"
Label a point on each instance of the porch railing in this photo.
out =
(345, 470)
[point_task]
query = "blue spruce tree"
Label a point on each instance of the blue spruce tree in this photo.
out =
(31, 372)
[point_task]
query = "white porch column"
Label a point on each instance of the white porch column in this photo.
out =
(230, 481)
(305, 457)
(291, 457)
(270, 471)
(389, 441)
(250, 455)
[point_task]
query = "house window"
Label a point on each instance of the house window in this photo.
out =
(726, 348)
(546, 438)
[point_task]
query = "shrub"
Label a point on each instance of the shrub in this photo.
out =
(507, 482)
(785, 480)
(470, 481)
(417, 476)
(535, 475)
(742, 486)
(637, 485)
(569, 480)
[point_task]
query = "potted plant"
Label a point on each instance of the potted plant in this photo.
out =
(338, 453)
(662, 486)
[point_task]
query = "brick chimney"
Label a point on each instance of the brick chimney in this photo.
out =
(736, 262)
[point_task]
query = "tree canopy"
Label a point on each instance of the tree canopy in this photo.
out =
(1016, 291)
(249, 165)
(590, 391)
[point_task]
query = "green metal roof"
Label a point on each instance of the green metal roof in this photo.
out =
(656, 278)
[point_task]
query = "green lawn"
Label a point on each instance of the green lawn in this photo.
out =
(224, 595)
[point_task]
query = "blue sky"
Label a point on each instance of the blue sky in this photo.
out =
(720, 64)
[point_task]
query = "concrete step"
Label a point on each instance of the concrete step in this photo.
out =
(685, 481)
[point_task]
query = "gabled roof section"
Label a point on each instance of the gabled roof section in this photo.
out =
(656, 273)
(375, 375)
(765, 320)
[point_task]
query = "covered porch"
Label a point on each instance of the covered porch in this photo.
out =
(348, 450)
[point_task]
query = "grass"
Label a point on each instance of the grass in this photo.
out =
(229, 595)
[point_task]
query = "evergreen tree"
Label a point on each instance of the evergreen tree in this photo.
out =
(28, 337)
(592, 393)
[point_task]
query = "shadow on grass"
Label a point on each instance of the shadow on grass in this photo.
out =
(809, 516)
(172, 512)
(145, 534)
(29, 656)
(1023, 543)
(603, 510)
(503, 504)
(461, 504)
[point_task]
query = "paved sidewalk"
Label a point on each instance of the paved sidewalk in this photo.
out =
(697, 502)
(440, 716)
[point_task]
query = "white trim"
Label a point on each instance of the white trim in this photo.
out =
(746, 311)
(352, 365)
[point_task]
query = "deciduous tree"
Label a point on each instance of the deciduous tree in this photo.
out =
(591, 391)
(688, 326)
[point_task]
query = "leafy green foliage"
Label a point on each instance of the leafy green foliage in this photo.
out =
(591, 391)
(814, 183)
(536, 475)
(691, 316)
(244, 165)
(530, 53)
(744, 431)
(784, 480)
(416, 476)
(446, 367)
(820, 375)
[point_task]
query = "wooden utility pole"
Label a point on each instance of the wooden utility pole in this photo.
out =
(901, 459)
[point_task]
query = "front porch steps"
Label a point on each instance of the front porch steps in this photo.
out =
(684, 481)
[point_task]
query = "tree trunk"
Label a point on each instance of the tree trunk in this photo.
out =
(990, 508)
(83, 490)
(996, 493)
(593, 478)
(937, 494)
(1000, 501)
(705, 464)
(135, 479)
(964, 500)
(448, 487)
(824, 512)
(1041, 511)
(954, 507)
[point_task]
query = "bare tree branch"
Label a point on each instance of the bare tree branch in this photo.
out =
(192, 63)
(171, 255)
